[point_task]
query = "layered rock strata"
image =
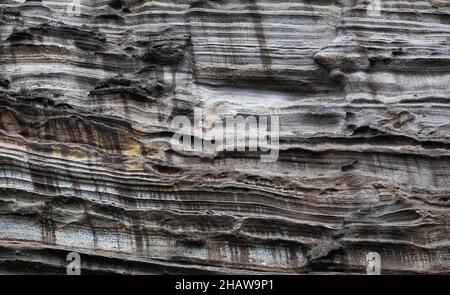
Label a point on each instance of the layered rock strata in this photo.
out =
(88, 91)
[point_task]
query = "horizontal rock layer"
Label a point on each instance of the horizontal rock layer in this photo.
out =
(88, 93)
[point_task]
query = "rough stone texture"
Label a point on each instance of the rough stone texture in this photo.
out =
(86, 163)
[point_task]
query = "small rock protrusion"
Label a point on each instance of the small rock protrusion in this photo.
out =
(323, 251)
(4, 82)
(20, 34)
(166, 53)
(349, 166)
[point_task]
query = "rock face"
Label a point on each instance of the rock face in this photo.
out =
(88, 91)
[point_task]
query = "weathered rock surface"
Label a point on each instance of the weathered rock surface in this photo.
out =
(86, 164)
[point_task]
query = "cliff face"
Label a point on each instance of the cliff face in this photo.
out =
(88, 93)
